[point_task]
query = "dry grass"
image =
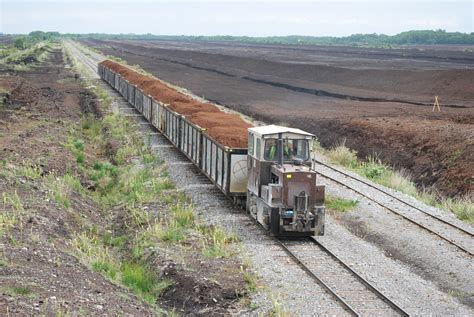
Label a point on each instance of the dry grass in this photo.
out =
(378, 172)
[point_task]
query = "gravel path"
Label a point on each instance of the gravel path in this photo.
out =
(391, 240)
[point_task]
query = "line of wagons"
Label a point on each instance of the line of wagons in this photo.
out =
(226, 167)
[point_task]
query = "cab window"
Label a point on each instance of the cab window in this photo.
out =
(292, 149)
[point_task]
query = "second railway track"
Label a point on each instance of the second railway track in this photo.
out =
(456, 235)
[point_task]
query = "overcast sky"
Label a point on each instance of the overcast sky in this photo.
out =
(244, 17)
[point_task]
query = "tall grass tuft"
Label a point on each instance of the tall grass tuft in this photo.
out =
(343, 155)
(340, 204)
(143, 281)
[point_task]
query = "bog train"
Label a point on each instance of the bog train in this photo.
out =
(272, 177)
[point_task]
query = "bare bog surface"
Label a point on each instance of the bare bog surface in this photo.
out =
(378, 100)
(228, 129)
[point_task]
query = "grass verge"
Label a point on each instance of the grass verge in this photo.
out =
(380, 173)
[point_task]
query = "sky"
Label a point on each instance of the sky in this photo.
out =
(237, 17)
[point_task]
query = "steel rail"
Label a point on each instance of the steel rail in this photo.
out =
(462, 248)
(390, 302)
(315, 277)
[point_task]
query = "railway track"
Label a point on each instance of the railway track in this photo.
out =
(355, 294)
(456, 235)
(90, 61)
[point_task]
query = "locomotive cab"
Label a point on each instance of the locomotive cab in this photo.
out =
(282, 194)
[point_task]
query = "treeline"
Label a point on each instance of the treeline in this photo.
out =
(27, 41)
(404, 38)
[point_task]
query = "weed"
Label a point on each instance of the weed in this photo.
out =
(8, 218)
(137, 252)
(250, 281)
(462, 207)
(171, 233)
(59, 190)
(73, 182)
(14, 201)
(79, 144)
(3, 262)
(105, 267)
(124, 153)
(278, 310)
(143, 281)
(343, 155)
(118, 242)
(340, 204)
(22, 290)
(216, 241)
(80, 158)
(31, 171)
(183, 215)
(91, 126)
(14, 242)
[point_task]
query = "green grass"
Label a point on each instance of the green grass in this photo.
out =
(24, 169)
(143, 281)
(13, 200)
(250, 281)
(10, 218)
(340, 204)
(170, 233)
(22, 290)
(216, 242)
(79, 144)
(183, 215)
(111, 241)
(106, 268)
(60, 189)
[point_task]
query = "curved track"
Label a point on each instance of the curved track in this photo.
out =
(445, 229)
(353, 292)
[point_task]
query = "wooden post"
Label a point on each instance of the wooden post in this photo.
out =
(436, 105)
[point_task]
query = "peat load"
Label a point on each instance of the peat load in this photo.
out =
(228, 129)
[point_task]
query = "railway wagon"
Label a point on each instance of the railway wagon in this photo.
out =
(272, 178)
(225, 166)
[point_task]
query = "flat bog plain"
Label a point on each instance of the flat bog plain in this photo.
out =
(378, 101)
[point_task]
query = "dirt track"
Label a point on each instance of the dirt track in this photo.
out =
(379, 101)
